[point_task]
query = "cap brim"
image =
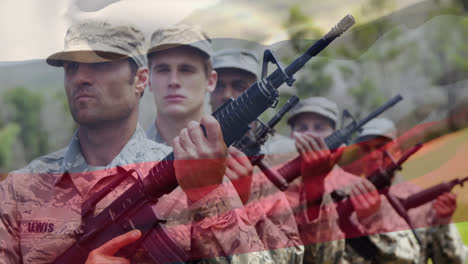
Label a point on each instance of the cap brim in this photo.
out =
(176, 45)
(376, 133)
(314, 110)
(82, 56)
(227, 65)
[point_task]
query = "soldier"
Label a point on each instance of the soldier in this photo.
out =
(441, 240)
(311, 121)
(105, 76)
(181, 74)
(266, 207)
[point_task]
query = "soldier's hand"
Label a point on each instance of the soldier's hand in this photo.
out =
(445, 205)
(105, 253)
(365, 199)
(200, 161)
(317, 159)
(239, 170)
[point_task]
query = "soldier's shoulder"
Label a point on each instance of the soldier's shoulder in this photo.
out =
(38, 170)
(150, 150)
(47, 163)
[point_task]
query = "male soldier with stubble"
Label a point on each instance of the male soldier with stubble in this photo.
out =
(105, 75)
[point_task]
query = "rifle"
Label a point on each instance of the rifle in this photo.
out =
(382, 180)
(292, 169)
(427, 195)
(251, 143)
(133, 209)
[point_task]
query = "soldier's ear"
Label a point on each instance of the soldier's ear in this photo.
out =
(212, 79)
(141, 79)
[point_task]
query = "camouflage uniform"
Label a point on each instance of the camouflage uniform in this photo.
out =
(41, 207)
(41, 204)
(267, 208)
(441, 243)
(270, 213)
(153, 134)
(322, 236)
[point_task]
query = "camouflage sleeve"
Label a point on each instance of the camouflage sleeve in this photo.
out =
(9, 224)
(322, 237)
(220, 229)
(447, 245)
(330, 252)
(269, 212)
(280, 227)
(258, 257)
(393, 239)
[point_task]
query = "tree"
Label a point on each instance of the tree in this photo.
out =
(313, 81)
(24, 109)
(8, 136)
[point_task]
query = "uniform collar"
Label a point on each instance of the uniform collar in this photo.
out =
(153, 134)
(74, 162)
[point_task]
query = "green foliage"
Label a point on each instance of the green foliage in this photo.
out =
(8, 135)
(301, 30)
(316, 83)
(367, 96)
(60, 97)
(460, 55)
(24, 108)
(346, 71)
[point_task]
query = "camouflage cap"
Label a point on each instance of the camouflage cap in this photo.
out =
(178, 35)
(317, 105)
(94, 41)
(378, 127)
(238, 59)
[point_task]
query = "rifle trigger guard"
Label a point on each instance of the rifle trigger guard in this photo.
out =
(268, 56)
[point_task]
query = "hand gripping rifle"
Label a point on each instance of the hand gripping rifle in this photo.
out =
(133, 209)
(292, 169)
(251, 143)
(382, 180)
(429, 194)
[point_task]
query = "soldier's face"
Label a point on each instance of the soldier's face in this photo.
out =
(318, 125)
(231, 83)
(179, 81)
(100, 92)
(372, 151)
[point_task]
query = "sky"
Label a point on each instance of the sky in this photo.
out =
(34, 29)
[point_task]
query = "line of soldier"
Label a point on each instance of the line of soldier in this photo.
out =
(224, 210)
